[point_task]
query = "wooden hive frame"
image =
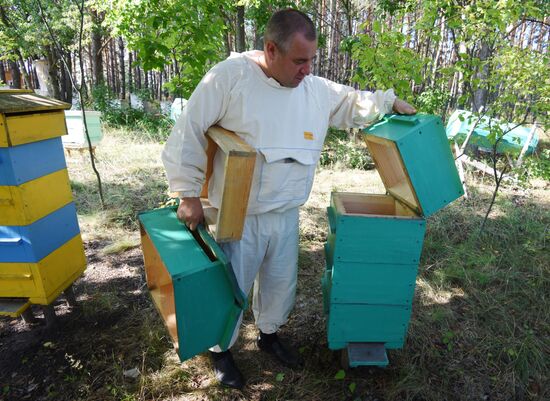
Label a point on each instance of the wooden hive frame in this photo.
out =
(226, 223)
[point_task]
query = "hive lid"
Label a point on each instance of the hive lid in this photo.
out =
(414, 160)
(23, 100)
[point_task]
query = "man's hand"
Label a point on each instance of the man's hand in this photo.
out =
(190, 212)
(402, 107)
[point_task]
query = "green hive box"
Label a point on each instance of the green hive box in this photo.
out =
(375, 240)
(191, 283)
(76, 136)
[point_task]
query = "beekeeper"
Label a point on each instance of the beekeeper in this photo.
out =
(270, 100)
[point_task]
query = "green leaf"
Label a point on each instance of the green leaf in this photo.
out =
(340, 375)
(352, 387)
(280, 377)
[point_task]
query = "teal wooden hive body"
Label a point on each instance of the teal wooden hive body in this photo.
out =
(375, 240)
(191, 283)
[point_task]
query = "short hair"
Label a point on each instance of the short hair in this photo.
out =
(285, 23)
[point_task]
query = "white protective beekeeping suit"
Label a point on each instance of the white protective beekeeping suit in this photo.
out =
(287, 127)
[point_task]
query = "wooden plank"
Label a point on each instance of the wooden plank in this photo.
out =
(16, 168)
(210, 215)
(3, 132)
(370, 205)
(24, 204)
(236, 190)
(392, 170)
(160, 286)
(226, 223)
(230, 143)
(373, 283)
(59, 270)
(210, 153)
(28, 128)
(18, 101)
(13, 307)
(42, 282)
(367, 323)
(379, 239)
(484, 168)
(33, 242)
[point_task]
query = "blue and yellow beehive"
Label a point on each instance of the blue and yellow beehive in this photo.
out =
(191, 283)
(375, 241)
(41, 251)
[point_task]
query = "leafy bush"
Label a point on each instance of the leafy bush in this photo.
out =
(155, 127)
(432, 101)
(536, 166)
(342, 150)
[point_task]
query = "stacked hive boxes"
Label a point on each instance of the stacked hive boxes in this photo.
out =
(41, 251)
(375, 241)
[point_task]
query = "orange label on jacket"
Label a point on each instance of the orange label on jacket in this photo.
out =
(308, 135)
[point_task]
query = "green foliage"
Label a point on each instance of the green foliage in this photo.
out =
(537, 166)
(340, 375)
(433, 101)
(384, 62)
(185, 33)
(22, 29)
(344, 151)
(138, 122)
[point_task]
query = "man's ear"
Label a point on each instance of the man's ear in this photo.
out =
(270, 49)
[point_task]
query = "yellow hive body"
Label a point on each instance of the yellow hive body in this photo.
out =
(25, 120)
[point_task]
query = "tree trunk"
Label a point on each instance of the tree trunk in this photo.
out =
(227, 42)
(137, 74)
(15, 74)
(130, 80)
(97, 57)
(160, 86)
(480, 95)
(437, 57)
(122, 93)
(53, 72)
(241, 45)
(320, 28)
(112, 56)
(23, 70)
(331, 45)
(68, 83)
(2, 73)
(146, 79)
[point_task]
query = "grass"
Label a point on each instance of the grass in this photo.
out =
(480, 325)
(479, 331)
(133, 180)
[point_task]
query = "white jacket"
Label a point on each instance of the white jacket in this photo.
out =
(287, 126)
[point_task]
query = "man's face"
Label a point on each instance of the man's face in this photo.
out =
(291, 67)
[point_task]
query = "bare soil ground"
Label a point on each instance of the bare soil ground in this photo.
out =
(88, 353)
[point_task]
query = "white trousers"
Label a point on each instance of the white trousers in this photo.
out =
(266, 257)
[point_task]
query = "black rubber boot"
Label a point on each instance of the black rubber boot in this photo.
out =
(271, 344)
(226, 371)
